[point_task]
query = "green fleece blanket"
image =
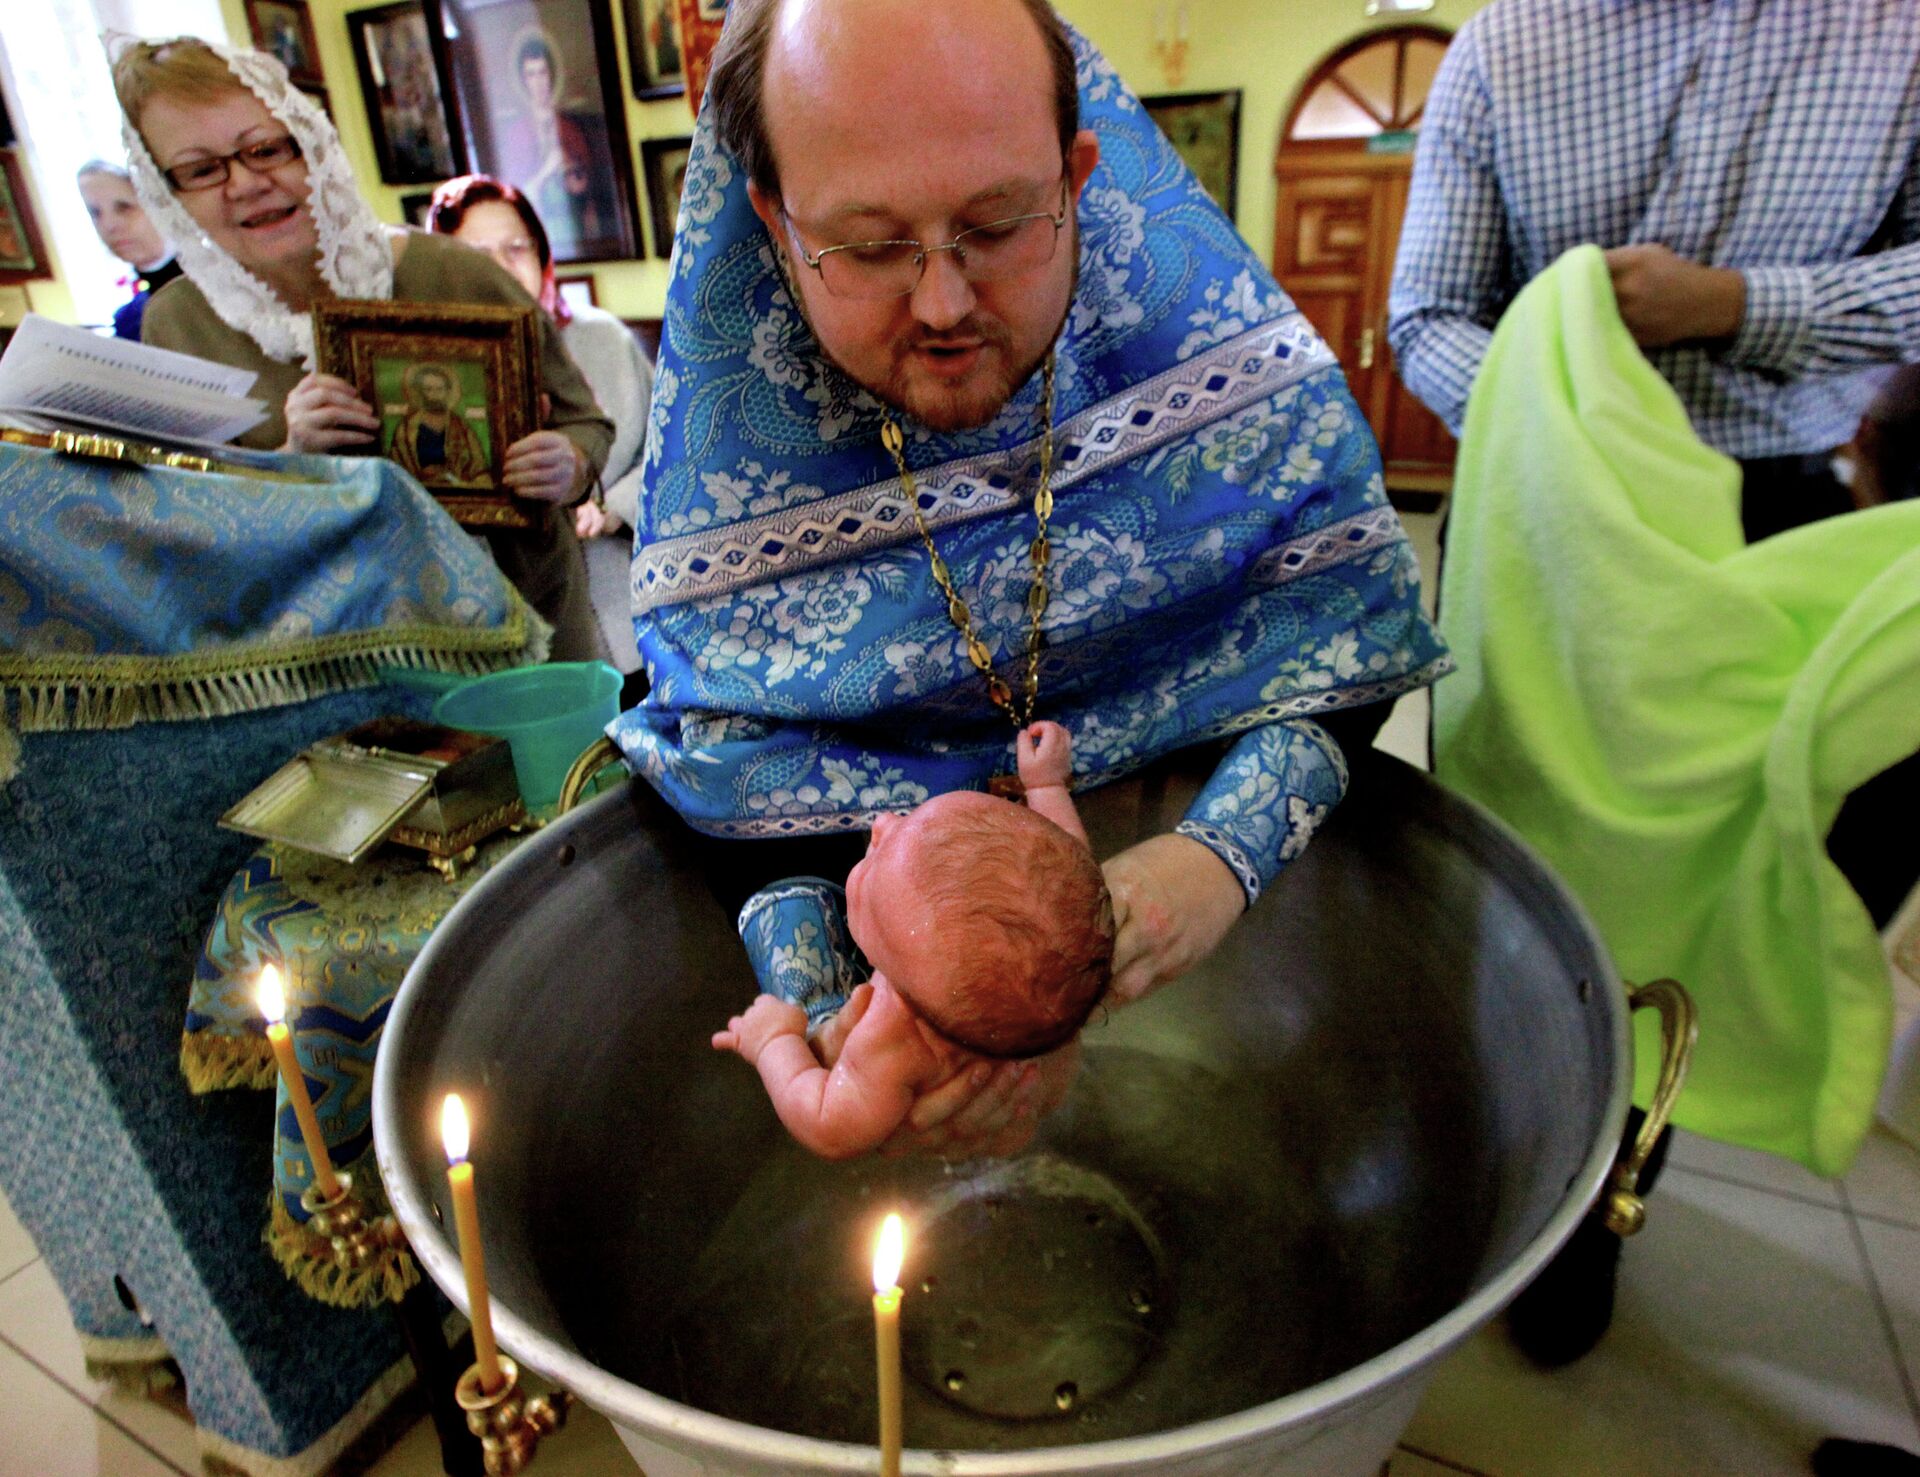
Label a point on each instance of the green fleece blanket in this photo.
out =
(1672, 717)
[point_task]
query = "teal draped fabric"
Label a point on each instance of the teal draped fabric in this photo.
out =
(132, 594)
(1224, 557)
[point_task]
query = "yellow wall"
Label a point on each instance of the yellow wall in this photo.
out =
(1264, 47)
(630, 289)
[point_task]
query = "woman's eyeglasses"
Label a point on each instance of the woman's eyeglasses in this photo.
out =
(882, 269)
(204, 174)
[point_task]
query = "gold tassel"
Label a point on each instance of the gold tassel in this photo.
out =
(213, 1063)
(307, 1259)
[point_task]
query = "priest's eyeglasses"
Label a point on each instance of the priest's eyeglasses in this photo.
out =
(204, 174)
(871, 270)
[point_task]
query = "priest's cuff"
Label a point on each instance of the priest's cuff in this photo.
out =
(798, 945)
(1266, 799)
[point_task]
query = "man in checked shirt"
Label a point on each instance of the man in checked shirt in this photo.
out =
(1752, 168)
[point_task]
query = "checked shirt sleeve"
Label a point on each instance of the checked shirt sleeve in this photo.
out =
(1838, 316)
(1267, 798)
(1453, 276)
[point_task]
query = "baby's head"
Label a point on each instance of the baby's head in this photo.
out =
(990, 921)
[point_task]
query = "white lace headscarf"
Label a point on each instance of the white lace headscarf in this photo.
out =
(356, 260)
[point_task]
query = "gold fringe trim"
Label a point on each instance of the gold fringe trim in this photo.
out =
(307, 1259)
(103, 1353)
(56, 694)
(213, 1063)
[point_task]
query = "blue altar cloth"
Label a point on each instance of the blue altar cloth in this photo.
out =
(167, 640)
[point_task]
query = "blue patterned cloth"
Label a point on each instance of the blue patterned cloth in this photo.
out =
(1224, 557)
(110, 867)
(136, 594)
(800, 948)
(1777, 137)
(1256, 812)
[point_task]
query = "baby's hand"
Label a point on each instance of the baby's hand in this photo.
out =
(768, 1018)
(1045, 755)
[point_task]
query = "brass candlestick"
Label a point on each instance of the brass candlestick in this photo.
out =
(356, 1242)
(509, 1424)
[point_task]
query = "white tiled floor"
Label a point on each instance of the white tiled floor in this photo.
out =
(1761, 1310)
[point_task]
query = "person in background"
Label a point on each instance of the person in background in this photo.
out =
(500, 220)
(125, 230)
(1752, 169)
(249, 178)
(1761, 215)
(1887, 445)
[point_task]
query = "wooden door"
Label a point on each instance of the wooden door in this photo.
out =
(1343, 169)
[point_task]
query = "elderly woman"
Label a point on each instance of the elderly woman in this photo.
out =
(125, 230)
(496, 218)
(247, 177)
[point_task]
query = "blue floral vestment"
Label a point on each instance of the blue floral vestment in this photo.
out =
(1225, 562)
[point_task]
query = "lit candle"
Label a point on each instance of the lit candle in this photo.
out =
(888, 1252)
(466, 1218)
(273, 1005)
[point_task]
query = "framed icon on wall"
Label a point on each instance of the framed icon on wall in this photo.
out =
(653, 48)
(284, 28)
(1204, 129)
(537, 93)
(401, 79)
(664, 163)
(23, 256)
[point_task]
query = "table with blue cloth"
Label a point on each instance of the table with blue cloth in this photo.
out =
(343, 935)
(168, 638)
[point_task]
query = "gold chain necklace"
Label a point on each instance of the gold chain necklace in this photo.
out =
(1039, 552)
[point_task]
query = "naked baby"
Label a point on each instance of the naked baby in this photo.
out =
(990, 933)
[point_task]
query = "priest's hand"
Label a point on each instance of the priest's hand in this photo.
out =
(546, 467)
(326, 414)
(1173, 901)
(992, 1108)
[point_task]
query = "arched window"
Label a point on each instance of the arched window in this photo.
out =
(1378, 84)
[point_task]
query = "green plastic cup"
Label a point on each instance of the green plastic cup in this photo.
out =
(548, 715)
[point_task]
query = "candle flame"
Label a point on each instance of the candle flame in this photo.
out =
(453, 1128)
(272, 996)
(889, 1251)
